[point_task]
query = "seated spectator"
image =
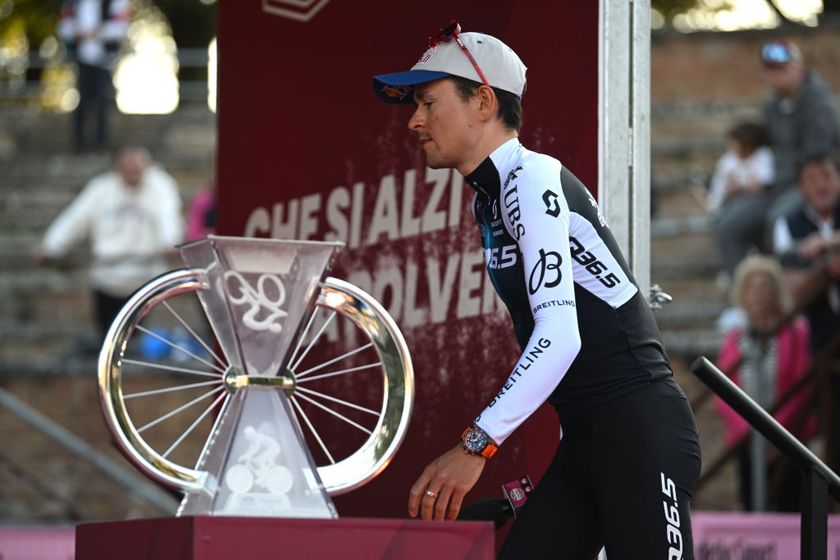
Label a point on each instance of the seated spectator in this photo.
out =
(807, 241)
(766, 358)
(738, 195)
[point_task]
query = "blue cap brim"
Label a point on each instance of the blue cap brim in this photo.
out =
(399, 87)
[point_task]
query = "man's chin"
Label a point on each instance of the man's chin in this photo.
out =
(437, 162)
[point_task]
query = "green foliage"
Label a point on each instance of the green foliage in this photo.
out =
(670, 8)
(36, 18)
(193, 22)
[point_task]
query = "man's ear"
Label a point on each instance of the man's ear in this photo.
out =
(487, 102)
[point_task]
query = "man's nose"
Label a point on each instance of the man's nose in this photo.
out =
(415, 122)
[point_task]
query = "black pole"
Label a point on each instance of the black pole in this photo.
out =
(814, 532)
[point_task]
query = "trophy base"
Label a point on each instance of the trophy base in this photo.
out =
(222, 538)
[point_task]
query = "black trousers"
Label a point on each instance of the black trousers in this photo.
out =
(105, 308)
(95, 94)
(622, 478)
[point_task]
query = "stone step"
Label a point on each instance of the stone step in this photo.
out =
(688, 345)
(699, 111)
(688, 315)
(683, 177)
(680, 226)
(33, 131)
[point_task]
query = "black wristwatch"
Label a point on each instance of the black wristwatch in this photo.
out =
(476, 442)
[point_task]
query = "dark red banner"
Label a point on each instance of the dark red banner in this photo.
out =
(306, 151)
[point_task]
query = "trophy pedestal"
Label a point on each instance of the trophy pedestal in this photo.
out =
(222, 538)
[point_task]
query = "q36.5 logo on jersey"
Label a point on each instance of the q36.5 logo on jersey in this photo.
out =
(546, 273)
(500, 257)
(550, 198)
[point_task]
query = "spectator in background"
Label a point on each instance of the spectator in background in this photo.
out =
(738, 195)
(132, 218)
(201, 214)
(807, 240)
(766, 357)
(93, 31)
(800, 117)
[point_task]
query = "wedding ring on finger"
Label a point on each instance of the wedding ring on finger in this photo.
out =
(431, 494)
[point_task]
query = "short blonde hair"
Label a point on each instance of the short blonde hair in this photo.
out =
(769, 267)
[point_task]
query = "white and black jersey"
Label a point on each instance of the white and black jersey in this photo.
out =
(586, 332)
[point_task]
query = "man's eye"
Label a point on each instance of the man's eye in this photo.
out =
(427, 104)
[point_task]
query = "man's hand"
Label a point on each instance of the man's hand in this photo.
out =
(833, 266)
(811, 247)
(449, 477)
(41, 256)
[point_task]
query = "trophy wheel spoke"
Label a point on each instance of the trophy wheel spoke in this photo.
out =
(195, 336)
(314, 340)
(195, 423)
(153, 392)
(179, 348)
(179, 410)
(312, 430)
(334, 360)
(336, 414)
(339, 372)
(156, 365)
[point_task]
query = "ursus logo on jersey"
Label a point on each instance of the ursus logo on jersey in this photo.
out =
(550, 199)
(512, 175)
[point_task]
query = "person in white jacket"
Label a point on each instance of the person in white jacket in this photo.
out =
(131, 217)
(739, 195)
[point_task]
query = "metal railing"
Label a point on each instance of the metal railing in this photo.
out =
(819, 479)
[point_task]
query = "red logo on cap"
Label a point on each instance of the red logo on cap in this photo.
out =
(398, 92)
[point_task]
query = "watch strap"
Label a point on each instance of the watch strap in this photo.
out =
(487, 450)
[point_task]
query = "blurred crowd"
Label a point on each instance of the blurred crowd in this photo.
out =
(775, 200)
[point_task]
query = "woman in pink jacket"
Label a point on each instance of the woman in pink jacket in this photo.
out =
(766, 357)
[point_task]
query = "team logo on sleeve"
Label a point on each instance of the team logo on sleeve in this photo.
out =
(550, 199)
(546, 273)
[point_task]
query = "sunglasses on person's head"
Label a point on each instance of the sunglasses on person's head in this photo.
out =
(452, 32)
(776, 53)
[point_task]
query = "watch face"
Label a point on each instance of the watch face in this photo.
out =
(475, 441)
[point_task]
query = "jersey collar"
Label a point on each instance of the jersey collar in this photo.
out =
(486, 178)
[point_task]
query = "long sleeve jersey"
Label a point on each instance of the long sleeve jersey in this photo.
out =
(586, 332)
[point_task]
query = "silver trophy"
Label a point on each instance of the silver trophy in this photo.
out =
(215, 380)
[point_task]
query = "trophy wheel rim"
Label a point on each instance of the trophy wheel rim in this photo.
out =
(336, 296)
